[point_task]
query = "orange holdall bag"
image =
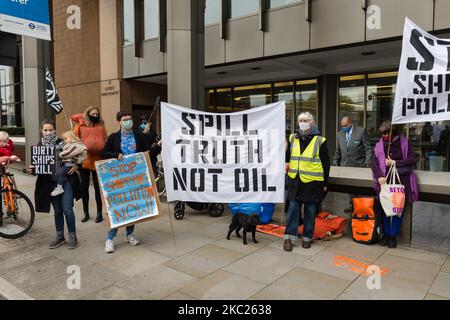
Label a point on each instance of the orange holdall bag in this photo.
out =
(365, 221)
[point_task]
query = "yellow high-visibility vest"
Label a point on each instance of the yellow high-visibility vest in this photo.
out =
(307, 164)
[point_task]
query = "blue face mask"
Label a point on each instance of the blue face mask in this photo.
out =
(347, 129)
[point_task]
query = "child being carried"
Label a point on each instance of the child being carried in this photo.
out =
(73, 153)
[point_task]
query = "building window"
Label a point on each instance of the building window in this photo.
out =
(247, 97)
(128, 22)
(10, 99)
(285, 91)
(210, 102)
(212, 11)
(352, 98)
(224, 100)
(369, 99)
(241, 8)
(306, 98)
(151, 19)
(280, 3)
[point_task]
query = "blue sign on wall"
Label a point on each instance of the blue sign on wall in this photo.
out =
(26, 17)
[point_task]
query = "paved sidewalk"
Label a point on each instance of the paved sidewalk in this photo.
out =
(204, 265)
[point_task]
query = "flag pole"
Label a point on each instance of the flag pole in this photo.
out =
(67, 119)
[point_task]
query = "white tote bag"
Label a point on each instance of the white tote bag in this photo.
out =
(392, 195)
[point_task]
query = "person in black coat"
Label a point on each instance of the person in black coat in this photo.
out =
(62, 204)
(152, 140)
(124, 142)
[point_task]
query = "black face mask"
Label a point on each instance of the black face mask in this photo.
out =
(94, 119)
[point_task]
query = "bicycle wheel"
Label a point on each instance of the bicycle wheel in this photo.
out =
(16, 218)
(161, 186)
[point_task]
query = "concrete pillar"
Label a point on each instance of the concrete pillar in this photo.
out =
(36, 55)
(328, 105)
(185, 53)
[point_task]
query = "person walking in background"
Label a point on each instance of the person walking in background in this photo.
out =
(124, 142)
(90, 129)
(353, 149)
(307, 180)
(402, 155)
(63, 203)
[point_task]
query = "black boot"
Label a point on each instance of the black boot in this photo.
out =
(85, 218)
(99, 217)
(392, 242)
(384, 241)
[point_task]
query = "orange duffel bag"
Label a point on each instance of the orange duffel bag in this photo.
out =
(366, 224)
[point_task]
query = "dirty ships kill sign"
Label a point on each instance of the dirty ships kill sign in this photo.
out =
(223, 158)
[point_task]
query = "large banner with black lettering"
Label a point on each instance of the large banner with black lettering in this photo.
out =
(423, 86)
(223, 158)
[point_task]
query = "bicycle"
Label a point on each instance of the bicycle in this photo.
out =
(160, 182)
(16, 210)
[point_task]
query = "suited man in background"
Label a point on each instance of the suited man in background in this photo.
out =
(353, 149)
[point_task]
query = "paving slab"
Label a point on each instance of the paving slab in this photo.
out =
(178, 295)
(222, 285)
(441, 286)
(265, 265)
(420, 255)
(236, 244)
(446, 266)
(430, 296)
(303, 284)
(157, 283)
(112, 293)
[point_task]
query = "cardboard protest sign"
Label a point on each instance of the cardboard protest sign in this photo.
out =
(43, 159)
(423, 85)
(128, 190)
(234, 157)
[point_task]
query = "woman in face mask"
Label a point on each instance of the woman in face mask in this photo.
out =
(401, 154)
(62, 204)
(126, 141)
(91, 130)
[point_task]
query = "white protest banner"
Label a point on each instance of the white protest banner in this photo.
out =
(128, 189)
(224, 158)
(423, 85)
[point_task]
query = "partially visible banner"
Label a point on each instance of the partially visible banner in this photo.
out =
(423, 86)
(223, 158)
(26, 17)
(128, 189)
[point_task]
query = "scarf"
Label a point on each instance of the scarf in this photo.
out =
(51, 140)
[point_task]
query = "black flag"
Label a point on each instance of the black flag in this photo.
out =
(52, 93)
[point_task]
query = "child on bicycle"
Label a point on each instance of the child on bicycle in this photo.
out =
(7, 146)
(73, 153)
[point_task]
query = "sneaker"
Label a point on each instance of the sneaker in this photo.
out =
(109, 246)
(287, 245)
(57, 191)
(58, 242)
(132, 240)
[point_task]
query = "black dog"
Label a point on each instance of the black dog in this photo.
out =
(246, 222)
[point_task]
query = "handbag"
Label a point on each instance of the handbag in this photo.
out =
(392, 194)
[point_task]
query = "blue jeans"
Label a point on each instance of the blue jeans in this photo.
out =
(63, 207)
(293, 220)
(61, 174)
(391, 227)
(113, 232)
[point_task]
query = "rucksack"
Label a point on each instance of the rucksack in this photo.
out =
(366, 224)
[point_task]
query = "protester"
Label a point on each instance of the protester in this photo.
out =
(307, 180)
(402, 155)
(91, 131)
(73, 154)
(152, 141)
(353, 149)
(62, 204)
(124, 142)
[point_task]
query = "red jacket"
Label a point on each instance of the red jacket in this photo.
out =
(8, 150)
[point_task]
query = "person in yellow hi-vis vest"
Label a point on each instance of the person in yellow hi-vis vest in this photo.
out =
(309, 169)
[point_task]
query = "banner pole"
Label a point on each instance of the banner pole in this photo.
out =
(171, 224)
(67, 119)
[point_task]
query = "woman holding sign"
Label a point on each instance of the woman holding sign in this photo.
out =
(124, 142)
(62, 204)
(91, 131)
(402, 155)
